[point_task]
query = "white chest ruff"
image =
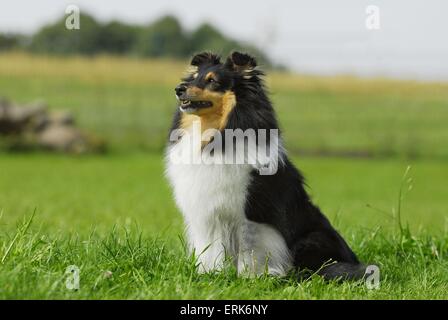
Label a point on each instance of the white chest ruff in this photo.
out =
(212, 199)
(206, 189)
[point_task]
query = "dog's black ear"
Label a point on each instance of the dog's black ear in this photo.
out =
(241, 62)
(205, 58)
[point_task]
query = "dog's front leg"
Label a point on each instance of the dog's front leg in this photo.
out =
(207, 246)
(262, 250)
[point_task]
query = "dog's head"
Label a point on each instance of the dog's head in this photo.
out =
(210, 85)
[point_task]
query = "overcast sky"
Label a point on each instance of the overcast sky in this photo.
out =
(313, 36)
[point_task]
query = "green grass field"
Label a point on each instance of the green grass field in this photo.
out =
(113, 216)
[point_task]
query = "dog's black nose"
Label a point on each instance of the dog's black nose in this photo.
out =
(180, 89)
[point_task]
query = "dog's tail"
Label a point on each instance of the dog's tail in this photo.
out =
(343, 271)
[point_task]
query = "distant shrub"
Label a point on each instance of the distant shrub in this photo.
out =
(117, 38)
(57, 39)
(9, 41)
(163, 38)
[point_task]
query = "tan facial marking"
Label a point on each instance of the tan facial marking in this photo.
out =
(214, 117)
(209, 75)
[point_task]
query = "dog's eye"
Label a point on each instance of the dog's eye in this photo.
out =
(211, 80)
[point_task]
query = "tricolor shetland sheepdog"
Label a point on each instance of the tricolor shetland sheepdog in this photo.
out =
(234, 212)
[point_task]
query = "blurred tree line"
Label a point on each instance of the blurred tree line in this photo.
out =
(163, 38)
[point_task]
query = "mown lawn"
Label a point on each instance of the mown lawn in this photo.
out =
(113, 216)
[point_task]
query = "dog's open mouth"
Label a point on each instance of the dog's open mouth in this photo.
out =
(189, 105)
